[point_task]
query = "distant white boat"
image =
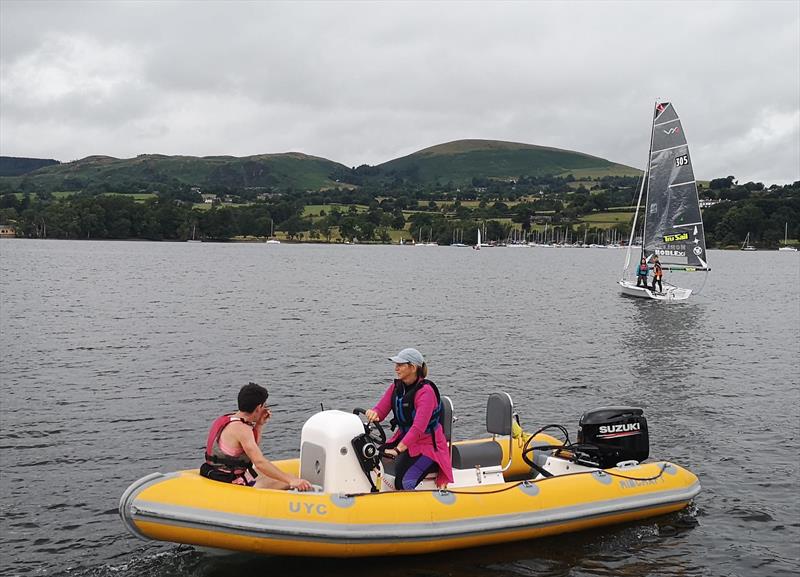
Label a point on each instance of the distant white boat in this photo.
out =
(458, 239)
(786, 247)
(193, 239)
(272, 240)
(746, 244)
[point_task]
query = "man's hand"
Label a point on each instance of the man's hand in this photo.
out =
(299, 484)
(265, 415)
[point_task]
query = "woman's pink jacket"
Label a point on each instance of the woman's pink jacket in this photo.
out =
(416, 439)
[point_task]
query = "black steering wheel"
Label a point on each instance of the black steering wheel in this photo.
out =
(372, 429)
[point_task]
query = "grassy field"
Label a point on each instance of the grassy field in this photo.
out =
(313, 210)
(612, 170)
(139, 197)
(607, 219)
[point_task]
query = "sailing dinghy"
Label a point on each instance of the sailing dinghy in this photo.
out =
(786, 247)
(673, 224)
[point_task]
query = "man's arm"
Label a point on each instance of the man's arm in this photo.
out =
(263, 465)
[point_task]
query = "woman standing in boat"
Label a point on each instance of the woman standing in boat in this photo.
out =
(642, 272)
(419, 445)
(657, 274)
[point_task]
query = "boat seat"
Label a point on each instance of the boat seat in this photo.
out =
(484, 454)
(488, 454)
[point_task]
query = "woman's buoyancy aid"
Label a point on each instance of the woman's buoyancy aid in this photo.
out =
(216, 458)
(404, 409)
(643, 269)
(657, 272)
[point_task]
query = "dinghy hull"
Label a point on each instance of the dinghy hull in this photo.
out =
(183, 507)
(670, 293)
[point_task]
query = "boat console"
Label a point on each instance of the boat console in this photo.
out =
(334, 453)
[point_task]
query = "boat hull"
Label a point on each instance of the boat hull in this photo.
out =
(183, 507)
(670, 293)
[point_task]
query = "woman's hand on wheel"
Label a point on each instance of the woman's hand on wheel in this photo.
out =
(371, 416)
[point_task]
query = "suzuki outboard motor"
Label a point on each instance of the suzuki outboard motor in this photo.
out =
(610, 435)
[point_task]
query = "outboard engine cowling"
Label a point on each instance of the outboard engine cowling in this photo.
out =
(611, 435)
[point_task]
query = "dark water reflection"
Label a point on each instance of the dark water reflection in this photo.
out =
(116, 356)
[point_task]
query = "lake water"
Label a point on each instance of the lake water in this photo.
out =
(116, 356)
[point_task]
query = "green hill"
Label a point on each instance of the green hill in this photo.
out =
(461, 160)
(263, 171)
(15, 166)
(458, 162)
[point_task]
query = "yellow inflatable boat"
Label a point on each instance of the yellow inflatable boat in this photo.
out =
(510, 487)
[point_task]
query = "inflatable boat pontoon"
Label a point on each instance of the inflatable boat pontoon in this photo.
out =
(510, 487)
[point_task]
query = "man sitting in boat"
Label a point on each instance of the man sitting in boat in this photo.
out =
(641, 273)
(232, 447)
(419, 445)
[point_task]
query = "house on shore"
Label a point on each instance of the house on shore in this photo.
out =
(8, 231)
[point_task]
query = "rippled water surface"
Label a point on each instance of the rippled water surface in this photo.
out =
(116, 356)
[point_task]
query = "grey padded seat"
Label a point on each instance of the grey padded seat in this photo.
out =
(489, 453)
(484, 454)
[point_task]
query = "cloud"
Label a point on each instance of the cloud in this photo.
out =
(361, 82)
(76, 79)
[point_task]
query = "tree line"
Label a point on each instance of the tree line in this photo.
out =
(441, 214)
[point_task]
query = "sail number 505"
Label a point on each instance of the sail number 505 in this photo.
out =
(682, 160)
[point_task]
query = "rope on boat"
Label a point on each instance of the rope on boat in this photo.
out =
(700, 290)
(526, 483)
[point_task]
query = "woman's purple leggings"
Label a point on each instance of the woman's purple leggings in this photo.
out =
(409, 471)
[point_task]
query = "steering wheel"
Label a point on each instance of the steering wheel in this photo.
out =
(372, 429)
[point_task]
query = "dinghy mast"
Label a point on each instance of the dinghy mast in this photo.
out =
(638, 204)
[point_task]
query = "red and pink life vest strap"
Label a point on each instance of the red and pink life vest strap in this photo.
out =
(216, 430)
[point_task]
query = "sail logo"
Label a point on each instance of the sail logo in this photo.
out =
(676, 237)
(697, 250)
(673, 130)
(669, 252)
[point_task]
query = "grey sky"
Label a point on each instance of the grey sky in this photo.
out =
(361, 82)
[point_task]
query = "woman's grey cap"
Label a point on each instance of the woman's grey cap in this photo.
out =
(412, 356)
